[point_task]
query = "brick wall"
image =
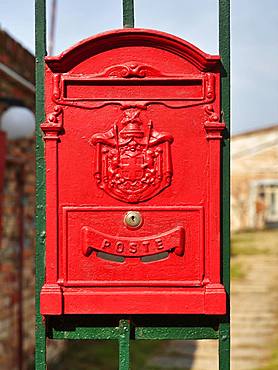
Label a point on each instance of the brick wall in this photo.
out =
(21, 62)
(20, 154)
(10, 252)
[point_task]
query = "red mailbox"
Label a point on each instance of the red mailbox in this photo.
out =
(132, 146)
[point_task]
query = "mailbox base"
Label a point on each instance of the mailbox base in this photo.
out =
(210, 300)
(51, 299)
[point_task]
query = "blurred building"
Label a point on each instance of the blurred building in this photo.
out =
(17, 77)
(254, 198)
(17, 250)
(17, 88)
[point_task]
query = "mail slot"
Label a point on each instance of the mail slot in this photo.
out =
(132, 148)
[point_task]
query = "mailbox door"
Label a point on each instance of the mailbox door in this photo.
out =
(132, 144)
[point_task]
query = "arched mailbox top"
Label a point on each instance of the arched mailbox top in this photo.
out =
(134, 37)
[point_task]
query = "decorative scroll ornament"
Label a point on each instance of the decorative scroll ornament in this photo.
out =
(53, 124)
(133, 161)
(213, 126)
(131, 70)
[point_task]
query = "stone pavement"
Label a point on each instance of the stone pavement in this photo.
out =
(254, 321)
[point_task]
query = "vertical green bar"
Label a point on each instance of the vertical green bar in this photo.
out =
(124, 344)
(40, 16)
(224, 49)
(128, 13)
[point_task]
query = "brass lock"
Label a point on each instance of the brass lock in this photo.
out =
(133, 219)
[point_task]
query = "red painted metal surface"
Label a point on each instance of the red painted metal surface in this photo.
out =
(132, 146)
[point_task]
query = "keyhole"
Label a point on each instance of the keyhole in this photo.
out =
(133, 219)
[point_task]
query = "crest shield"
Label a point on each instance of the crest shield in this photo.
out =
(133, 163)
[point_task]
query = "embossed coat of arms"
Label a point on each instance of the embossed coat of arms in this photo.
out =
(133, 160)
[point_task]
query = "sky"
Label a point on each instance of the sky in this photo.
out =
(254, 40)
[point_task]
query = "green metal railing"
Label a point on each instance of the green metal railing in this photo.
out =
(128, 13)
(138, 327)
(40, 19)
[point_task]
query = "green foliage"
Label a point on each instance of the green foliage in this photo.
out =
(273, 363)
(254, 242)
(250, 243)
(237, 271)
(103, 355)
(88, 354)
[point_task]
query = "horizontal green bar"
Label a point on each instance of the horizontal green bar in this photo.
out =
(148, 327)
(141, 333)
(97, 333)
(178, 333)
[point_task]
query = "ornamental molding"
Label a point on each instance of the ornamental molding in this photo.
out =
(53, 125)
(194, 89)
(212, 125)
(136, 37)
(131, 70)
